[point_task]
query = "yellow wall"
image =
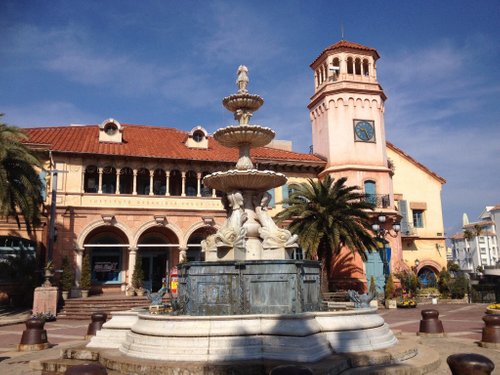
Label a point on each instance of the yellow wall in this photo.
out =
(416, 185)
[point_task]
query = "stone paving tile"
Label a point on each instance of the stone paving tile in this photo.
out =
(462, 323)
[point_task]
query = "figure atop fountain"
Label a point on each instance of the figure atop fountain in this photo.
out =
(242, 80)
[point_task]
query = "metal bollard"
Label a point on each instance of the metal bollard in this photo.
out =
(87, 369)
(430, 325)
(291, 370)
(34, 336)
(98, 319)
(470, 364)
(491, 332)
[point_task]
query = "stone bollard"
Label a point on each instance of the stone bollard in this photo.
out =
(470, 364)
(491, 331)
(98, 319)
(87, 369)
(291, 370)
(430, 325)
(34, 336)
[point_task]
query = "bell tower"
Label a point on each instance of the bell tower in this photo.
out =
(347, 115)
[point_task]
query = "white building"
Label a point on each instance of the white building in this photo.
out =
(477, 245)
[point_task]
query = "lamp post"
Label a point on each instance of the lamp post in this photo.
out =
(380, 234)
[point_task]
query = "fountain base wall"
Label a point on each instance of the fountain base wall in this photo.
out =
(249, 287)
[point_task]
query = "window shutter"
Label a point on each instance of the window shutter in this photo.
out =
(284, 193)
(272, 202)
(403, 210)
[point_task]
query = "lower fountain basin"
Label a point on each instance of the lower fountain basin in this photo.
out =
(250, 179)
(306, 337)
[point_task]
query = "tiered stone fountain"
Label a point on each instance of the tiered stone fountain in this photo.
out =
(249, 300)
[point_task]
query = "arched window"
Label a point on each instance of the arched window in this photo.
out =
(175, 182)
(336, 67)
(108, 180)
(350, 65)
(205, 191)
(159, 182)
(191, 184)
(366, 69)
(357, 66)
(143, 181)
(371, 192)
(126, 180)
(91, 179)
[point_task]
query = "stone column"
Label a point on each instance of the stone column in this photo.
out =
(134, 182)
(100, 170)
(198, 186)
(167, 186)
(132, 256)
(183, 174)
(118, 170)
(83, 181)
(79, 262)
(151, 175)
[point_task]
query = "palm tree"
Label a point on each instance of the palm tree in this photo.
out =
(20, 186)
(327, 216)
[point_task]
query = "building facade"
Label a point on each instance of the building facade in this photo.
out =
(125, 191)
(476, 247)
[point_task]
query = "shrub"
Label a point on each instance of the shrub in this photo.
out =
(373, 287)
(138, 275)
(459, 287)
(67, 276)
(85, 278)
(409, 281)
(444, 283)
(390, 289)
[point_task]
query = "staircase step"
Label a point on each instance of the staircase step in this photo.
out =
(83, 308)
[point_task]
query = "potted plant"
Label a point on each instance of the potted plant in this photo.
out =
(138, 277)
(390, 290)
(67, 278)
(85, 278)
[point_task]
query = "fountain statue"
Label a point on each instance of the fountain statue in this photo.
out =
(250, 300)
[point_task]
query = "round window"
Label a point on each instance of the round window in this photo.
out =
(198, 136)
(110, 128)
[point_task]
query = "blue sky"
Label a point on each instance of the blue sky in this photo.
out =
(169, 63)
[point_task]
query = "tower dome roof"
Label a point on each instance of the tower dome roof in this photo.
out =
(345, 44)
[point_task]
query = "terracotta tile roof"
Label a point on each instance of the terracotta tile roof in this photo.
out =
(345, 44)
(153, 142)
(418, 164)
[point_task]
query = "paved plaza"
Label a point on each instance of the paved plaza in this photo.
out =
(462, 323)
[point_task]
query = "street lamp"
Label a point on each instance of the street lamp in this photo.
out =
(381, 232)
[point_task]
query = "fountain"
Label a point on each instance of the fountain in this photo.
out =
(250, 300)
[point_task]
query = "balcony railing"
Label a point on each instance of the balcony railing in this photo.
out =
(407, 229)
(378, 200)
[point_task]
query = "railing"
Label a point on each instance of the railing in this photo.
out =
(378, 200)
(407, 229)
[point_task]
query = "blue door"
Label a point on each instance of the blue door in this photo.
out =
(374, 266)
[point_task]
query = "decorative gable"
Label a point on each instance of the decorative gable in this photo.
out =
(197, 138)
(110, 131)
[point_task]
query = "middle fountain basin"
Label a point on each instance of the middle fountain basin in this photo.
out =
(249, 287)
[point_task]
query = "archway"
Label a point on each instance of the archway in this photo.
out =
(194, 243)
(107, 249)
(156, 246)
(427, 277)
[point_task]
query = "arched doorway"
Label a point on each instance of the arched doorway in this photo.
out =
(194, 243)
(107, 249)
(427, 277)
(155, 247)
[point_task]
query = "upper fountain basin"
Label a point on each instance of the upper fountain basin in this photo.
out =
(250, 179)
(244, 101)
(236, 135)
